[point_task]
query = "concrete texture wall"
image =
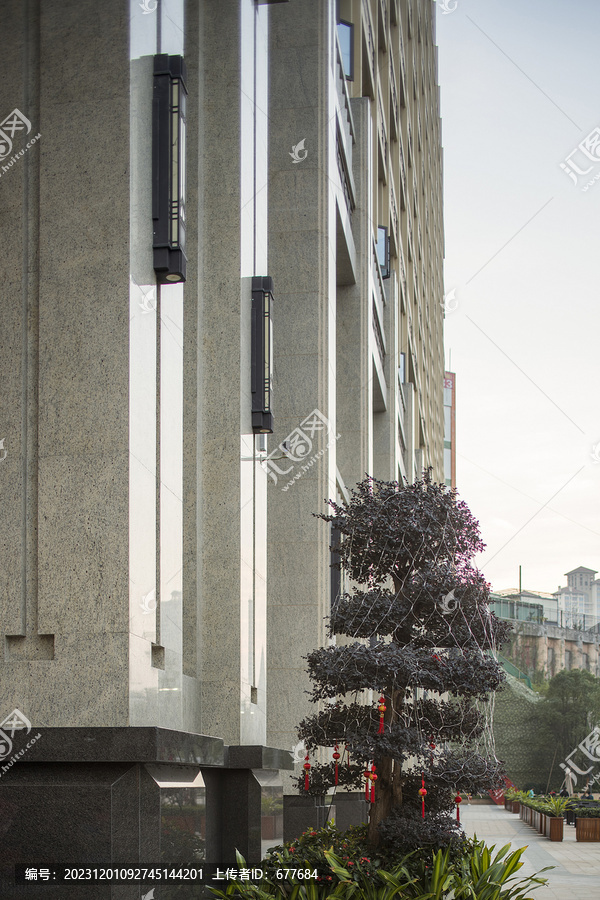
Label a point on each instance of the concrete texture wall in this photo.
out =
(302, 261)
(65, 234)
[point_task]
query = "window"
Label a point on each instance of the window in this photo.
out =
(383, 251)
(402, 368)
(345, 32)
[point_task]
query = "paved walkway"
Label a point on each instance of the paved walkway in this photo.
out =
(577, 872)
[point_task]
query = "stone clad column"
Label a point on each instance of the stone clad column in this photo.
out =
(302, 262)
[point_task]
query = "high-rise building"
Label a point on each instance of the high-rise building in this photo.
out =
(450, 429)
(222, 305)
(356, 252)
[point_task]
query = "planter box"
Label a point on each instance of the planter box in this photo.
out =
(587, 829)
(516, 806)
(556, 827)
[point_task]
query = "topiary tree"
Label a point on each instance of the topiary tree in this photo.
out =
(416, 631)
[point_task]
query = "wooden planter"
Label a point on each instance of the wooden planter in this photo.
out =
(587, 829)
(556, 826)
(516, 806)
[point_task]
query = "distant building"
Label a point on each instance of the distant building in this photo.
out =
(553, 631)
(450, 429)
(527, 606)
(579, 599)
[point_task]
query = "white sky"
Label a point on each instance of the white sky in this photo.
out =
(520, 90)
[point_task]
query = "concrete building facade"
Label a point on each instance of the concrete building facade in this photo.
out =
(163, 574)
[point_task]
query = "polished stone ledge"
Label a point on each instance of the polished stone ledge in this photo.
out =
(258, 757)
(141, 745)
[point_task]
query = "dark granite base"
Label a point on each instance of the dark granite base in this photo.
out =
(303, 813)
(109, 809)
(351, 809)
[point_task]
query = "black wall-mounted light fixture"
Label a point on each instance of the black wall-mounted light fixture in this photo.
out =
(262, 354)
(168, 168)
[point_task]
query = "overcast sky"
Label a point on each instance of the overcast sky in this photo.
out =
(520, 92)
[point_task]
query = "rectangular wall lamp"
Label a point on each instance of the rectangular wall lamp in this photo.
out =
(262, 354)
(168, 168)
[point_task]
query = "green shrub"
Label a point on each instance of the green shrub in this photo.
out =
(555, 806)
(478, 875)
(487, 877)
(350, 847)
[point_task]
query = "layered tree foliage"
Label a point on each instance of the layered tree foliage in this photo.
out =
(568, 711)
(415, 629)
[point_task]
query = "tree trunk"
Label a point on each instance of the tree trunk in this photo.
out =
(388, 787)
(382, 807)
(397, 798)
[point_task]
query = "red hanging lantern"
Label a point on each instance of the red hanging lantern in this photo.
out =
(423, 794)
(367, 775)
(382, 708)
(373, 777)
(458, 801)
(336, 756)
(306, 771)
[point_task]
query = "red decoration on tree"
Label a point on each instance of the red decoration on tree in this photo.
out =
(348, 755)
(373, 777)
(336, 756)
(458, 800)
(423, 794)
(382, 708)
(367, 775)
(306, 771)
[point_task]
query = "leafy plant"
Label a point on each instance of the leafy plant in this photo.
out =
(479, 876)
(310, 847)
(382, 886)
(417, 618)
(556, 806)
(569, 709)
(487, 877)
(586, 812)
